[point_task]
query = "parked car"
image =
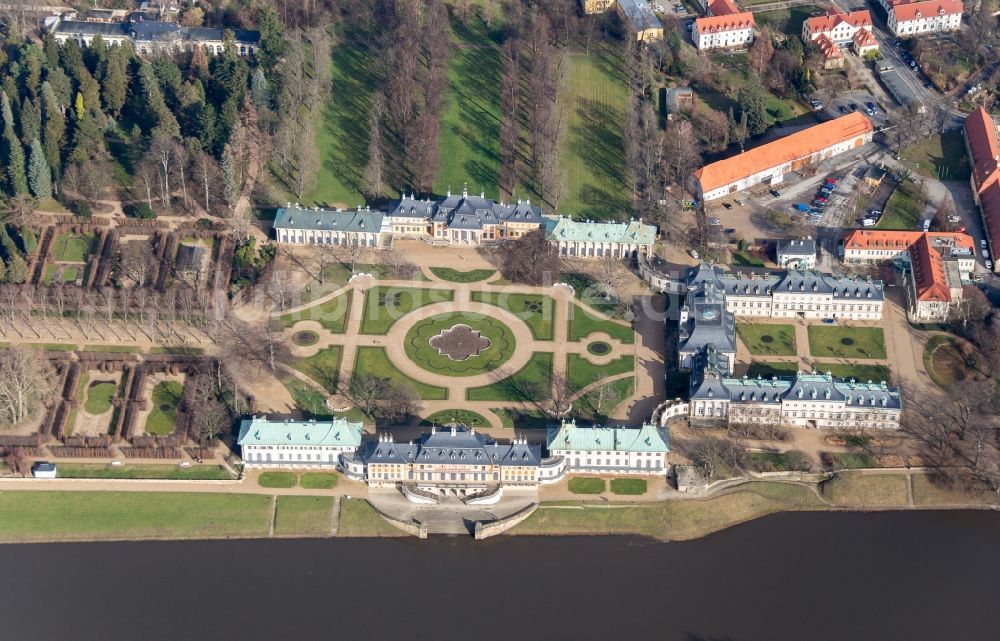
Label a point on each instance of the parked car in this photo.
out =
(954, 219)
(801, 207)
(829, 321)
(730, 230)
(961, 230)
(816, 105)
(832, 181)
(874, 213)
(712, 220)
(821, 199)
(867, 222)
(871, 105)
(727, 205)
(986, 254)
(738, 201)
(989, 265)
(927, 225)
(776, 193)
(694, 253)
(842, 109)
(854, 107)
(982, 243)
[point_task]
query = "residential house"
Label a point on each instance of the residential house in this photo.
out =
(853, 29)
(768, 163)
(589, 239)
(805, 400)
(295, 225)
(297, 444)
(833, 58)
(906, 19)
(984, 155)
(609, 449)
(729, 31)
(796, 253)
(636, 15)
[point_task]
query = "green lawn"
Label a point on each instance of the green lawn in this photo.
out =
(166, 396)
(523, 419)
(840, 341)
(903, 209)
(462, 417)
(592, 158)
(385, 305)
(591, 406)
(277, 479)
(853, 461)
(66, 274)
(359, 519)
(469, 139)
(787, 21)
(144, 471)
(176, 349)
(767, 340)
(419, 350)
(536, 310)
(745, 259)
(586, 485)
(113, 349)
(99, 397)
(586, 290)
(867, 490)
(530, 383)
(303, 515)
(374, 361)
(767, 370)
(68, 516)
(456, 276)
(582, 323)
(863, 373)
(319, 480)
(778, 461)
(580, 372)
(322, 367)
(306, 397)
(630, 487)
(939, 156)
(331, 315)
(72, 248)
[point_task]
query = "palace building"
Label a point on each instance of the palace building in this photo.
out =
(152, 37)
(984, 155)
(805, 400)
(609, 449)
(588, 239)
(310, 444)
(463, 219)
(295, 225)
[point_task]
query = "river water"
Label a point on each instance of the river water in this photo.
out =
(797, 577)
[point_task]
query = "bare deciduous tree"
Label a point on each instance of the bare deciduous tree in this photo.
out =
(25, 380)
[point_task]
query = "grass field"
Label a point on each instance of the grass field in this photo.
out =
(946, 363)
(113, 349)
(60, 273)
(582, 324)
(331, 315)
(143, 471)
(674, 520)
(319, 480)
(592, 158)
(867, 490)
(502, 344)
(523, 419)
(939, 156)
(628, 487)
(536, 310)
(864, 373)
(307, 398)
(591, 406)
(303, 515)
(586, 485)
(928, 490)
(358, 518)
(277, 479)
(72, 248)
(778, 461)
(374, 361)
(322, 367)
(787, 21)
(69, 516)
(463, 417)
(767, 370)
(99, 397)
(767, 340)
(456, 276)
(580, 372)
(586, 290)
(165, 398)
(385, 305)
(532, 382)
(903, 209)
(840, 341)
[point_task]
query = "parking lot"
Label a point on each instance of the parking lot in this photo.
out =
(841, 105)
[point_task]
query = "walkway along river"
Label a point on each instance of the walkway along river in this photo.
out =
(790, 577)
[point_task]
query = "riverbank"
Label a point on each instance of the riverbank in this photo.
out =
(57, 516)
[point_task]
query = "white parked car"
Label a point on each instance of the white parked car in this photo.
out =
(989, 265)
(954, 219)
(982, 243)
(694, 253)
(986, 254)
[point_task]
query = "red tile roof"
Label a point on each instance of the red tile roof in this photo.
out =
(731, 22)
(784, 150)
(981, 134)
(822, 24)
(864, 38)
(901, 240)
(990, 203)
(722, 7)
(928, 272)
(914, 10)
(827, 47)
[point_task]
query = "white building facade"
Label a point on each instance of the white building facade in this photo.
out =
(294, 225)
(297, 444)
(733, 31)
(919, 18)
(609, 450)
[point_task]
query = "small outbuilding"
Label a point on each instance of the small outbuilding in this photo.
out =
(796, 253)
(43, 470)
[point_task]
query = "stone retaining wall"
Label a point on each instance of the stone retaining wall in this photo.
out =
(485, 530)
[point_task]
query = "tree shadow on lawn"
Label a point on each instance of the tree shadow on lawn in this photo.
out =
(599, 144)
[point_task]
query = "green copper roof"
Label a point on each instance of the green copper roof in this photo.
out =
(647, 438)
(566, 229)
(261, 431)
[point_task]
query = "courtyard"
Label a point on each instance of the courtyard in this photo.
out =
(472, 348)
